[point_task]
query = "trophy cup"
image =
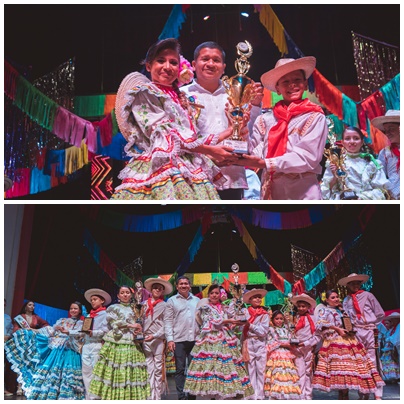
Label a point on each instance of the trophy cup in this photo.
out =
(336, 155)
(239, 89)
(237, 293)
(138, 308)
(289, 309)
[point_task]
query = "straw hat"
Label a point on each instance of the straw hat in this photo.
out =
(131, 81)
(248, 295)
(353, 277)
(168, 288)
(98, 292)
(392, 115)
(304, 298)
(285, 66)
(392, 316)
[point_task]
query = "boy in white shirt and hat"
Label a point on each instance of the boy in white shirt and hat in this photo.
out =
(389, 124)
(288, 141)
(365, 313)
(305, 332)
(153, 330)
(255, 334)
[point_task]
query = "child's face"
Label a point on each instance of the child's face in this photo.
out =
(302, 307)
(392, 131)
(256, 301)
(291, 86)
(352, 141)
(354, 286)
(278, 320)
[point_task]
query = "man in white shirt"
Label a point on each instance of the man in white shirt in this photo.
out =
(207, 90)
(181, 329)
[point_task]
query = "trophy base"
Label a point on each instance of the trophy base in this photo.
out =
(348, 195)
(294, 341)
(139, 337)
(239, 146)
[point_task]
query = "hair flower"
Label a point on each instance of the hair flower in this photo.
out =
(186, 72)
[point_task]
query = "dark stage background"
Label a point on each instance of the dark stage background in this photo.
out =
(60, 267)
(108, 41)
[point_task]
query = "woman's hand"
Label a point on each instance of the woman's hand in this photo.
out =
(223, 155)
(341, 331)
(148, 338)
(333, 169)
(251, 161)
(171, 346)
(136, 328)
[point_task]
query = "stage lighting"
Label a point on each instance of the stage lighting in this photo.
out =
(206, 17)
(244, 14)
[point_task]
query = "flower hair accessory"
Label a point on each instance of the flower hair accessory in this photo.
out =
(323, 296)
(186, 72)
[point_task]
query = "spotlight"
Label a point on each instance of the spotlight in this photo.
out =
(234, 231)
(244, 14)
(206, 17)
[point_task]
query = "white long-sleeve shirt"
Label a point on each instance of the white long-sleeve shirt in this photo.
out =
(179, 318)
(212, 121)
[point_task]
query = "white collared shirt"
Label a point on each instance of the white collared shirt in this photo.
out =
(179, 318)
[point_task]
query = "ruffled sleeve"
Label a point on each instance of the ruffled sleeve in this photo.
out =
(160, 126)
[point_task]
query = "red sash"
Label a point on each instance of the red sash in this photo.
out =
(356, 303)
(278, 134)
(300, 324)
(150, 306)
(93, 313)
(254, 313)
(396, 151)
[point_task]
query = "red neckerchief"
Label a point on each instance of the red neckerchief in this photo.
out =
(396, 151)
(150, 305)
(278, 134)
(355, 302)
(93, 313)
(254, 313)
(300, 324)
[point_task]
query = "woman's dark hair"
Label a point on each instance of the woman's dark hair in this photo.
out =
(213, 287)
(328, 294)
(365, 147)
(80, 307)
(24, 306)
(159, 46)
(210, 45)
(275, 313)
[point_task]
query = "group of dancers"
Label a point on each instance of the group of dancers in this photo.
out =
(223, 349)
(178, 128)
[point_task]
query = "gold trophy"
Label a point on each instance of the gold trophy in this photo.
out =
(239, 89)
(288, 310)
(138, 308)
(336, 155)
(237, 293)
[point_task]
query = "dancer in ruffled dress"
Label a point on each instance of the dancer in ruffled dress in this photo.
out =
(22, 345)
(281, 377)
(364, 173)
(343, 363)
(389, 354)
(169, 159)
(57, 372)
(217, 369)
(120, 373)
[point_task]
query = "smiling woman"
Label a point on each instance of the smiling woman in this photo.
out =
(167, 155)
